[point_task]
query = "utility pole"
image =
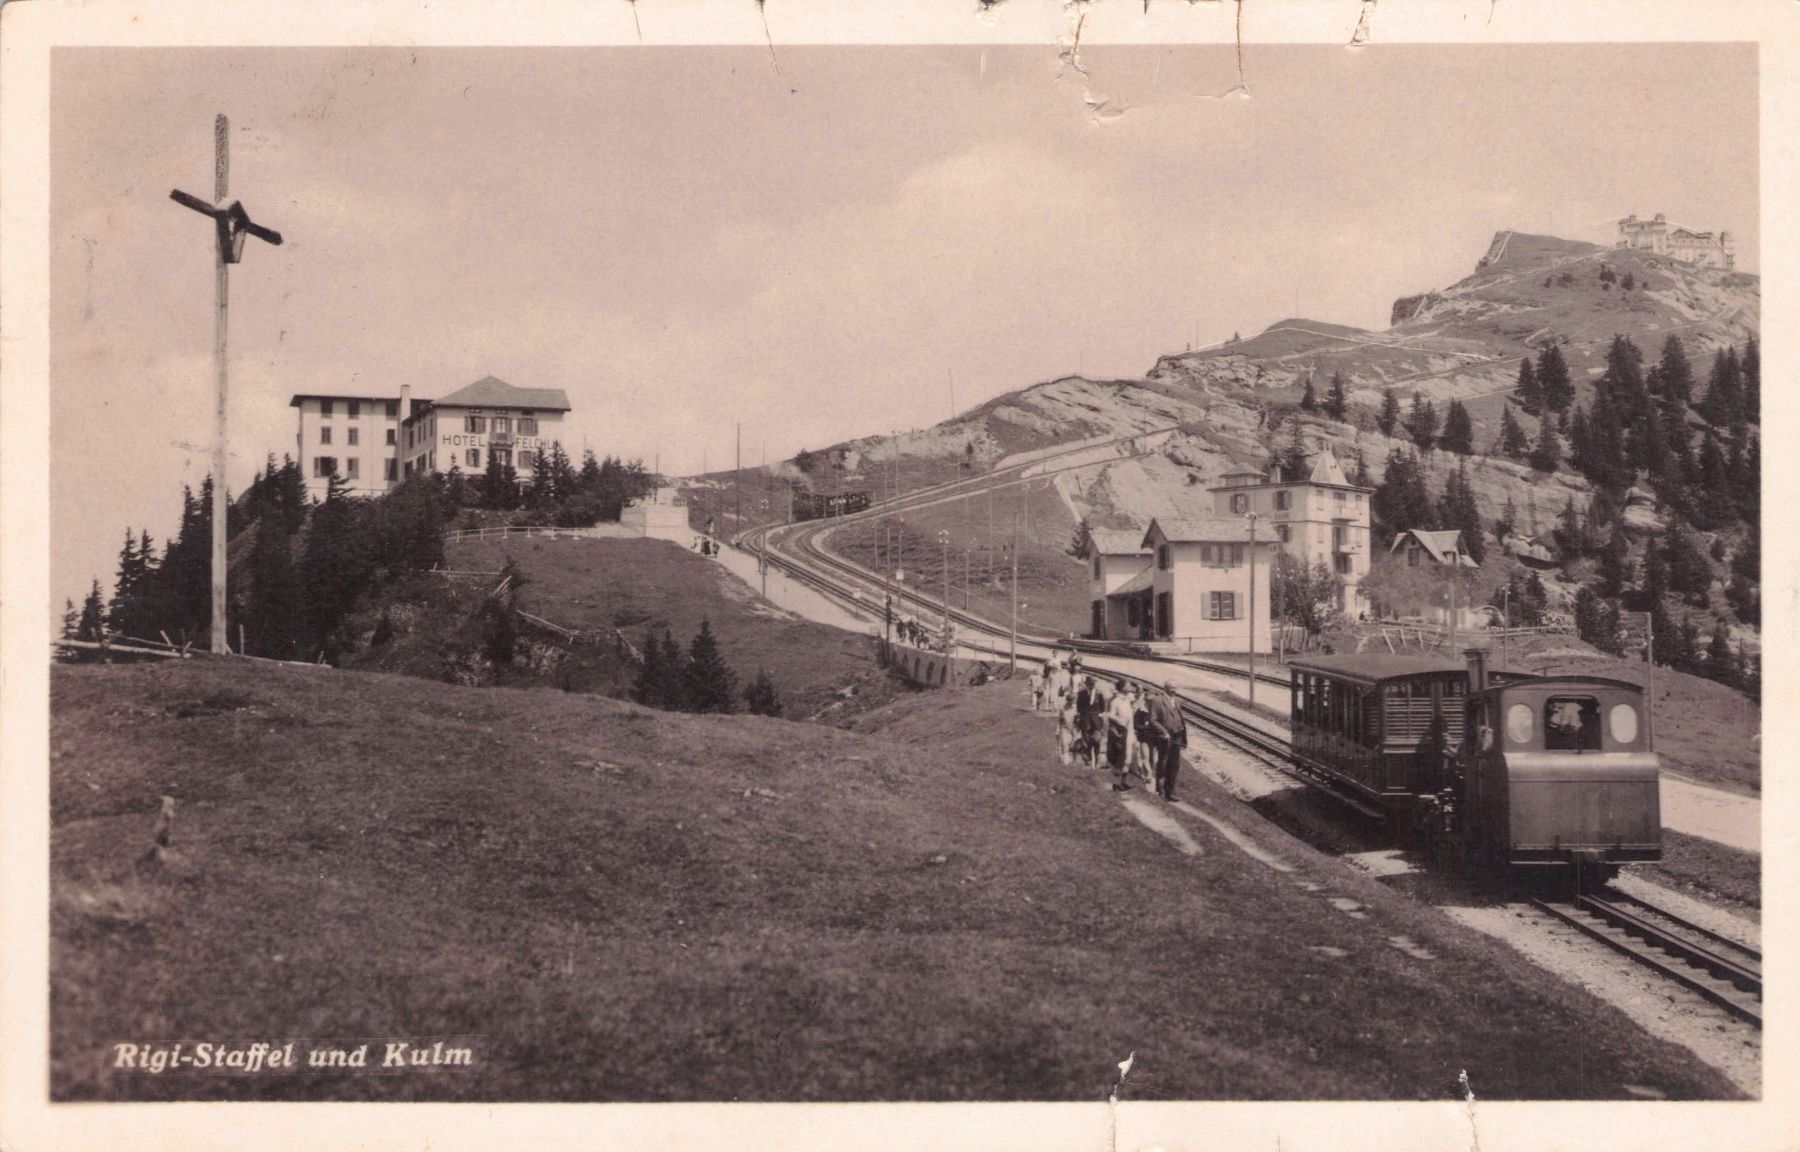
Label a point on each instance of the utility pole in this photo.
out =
(1455, 566)
(965, 579)
(950, 378)
(944, 539)
(1013, 651)
(1505, 622)
(738, 478)
(230, 225)
(1252, 517)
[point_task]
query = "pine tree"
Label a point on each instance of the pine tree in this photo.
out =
(1507, 522)
(1723, 404)
(456, 487)
(1597, 620)
(1750, 373)
(1713, 507)
(588, 479)
(1082, 543)
(711, 685)
(1693, 656)
(649, 689)
(1675, 373)
(1422, 422)
(92, 625)
(1513, 441)
(1359, 476)
(1401, 501)
(1458, 510)
(1309, 400)
(1615, 563)
(1389, 416)
(1554, 381)
(1337, 404)
(275, 620)
(1459, 434)
(71, 620)
(761, 697)
(1544, 456)
(1292, 461)
(674, 675)
(1690, 574)
(1529, 392)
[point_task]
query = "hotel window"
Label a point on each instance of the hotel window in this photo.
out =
(1343, 563)
(1282, 500)
(474, 457)
(1281, 533)
(474, 423)
(434, 460)
(324, 407)
(528, 426)
(1240, 502)
(353, 468)
(392, 464)
(393, 409)
(325, 434)
(354, 438)
(1339, 496)
(1162, 557)
(502, 425)
(527, 459)
(324, 466)
(1096, 565)
(1221, 605)
(1237, 555)
(355, 407)
(390, 438)
(503, 455)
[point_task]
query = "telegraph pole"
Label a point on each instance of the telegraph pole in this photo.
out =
(1012, 657)
(1252, 518)
(738, 477)
(230, 225)
(944, 539)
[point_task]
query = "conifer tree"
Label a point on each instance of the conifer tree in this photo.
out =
(1721, 661)
(1751, 381)
(674, 675)
(1389, 417)
(1675, 373)
(651, 675)
(1422, 422)
(1337, 404)
(1309, 400)
(1506, 523)
(1459, 434)
(1529, 392)
(1553, 379)
(71, 620)
(275, 620)
(1458, 510)
(711, 685)
(761, 696)
(1513, 441)
(92, 625)
(1545, 455)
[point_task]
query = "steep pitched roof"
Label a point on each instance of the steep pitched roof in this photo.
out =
(1117, 541)
(491, 392)
(1439, 545)
(1210, 529)
(1139, 583)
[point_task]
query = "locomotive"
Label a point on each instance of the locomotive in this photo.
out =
(1504, 770)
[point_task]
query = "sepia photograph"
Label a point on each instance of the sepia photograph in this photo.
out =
(1153, 565)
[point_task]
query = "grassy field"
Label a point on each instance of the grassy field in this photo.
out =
(607, 903)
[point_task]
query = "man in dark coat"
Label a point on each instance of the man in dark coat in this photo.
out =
(1166, 731)
(1090, 719)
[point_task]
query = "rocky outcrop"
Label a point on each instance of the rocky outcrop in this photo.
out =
(1407, 307)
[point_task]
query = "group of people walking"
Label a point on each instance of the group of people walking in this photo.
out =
(1133, 730)
(919, 636)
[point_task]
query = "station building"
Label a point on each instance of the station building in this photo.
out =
(1119, 584)
(487, 420)
(1197, 592)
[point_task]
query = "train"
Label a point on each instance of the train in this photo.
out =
(824, 505)
(1490, 770)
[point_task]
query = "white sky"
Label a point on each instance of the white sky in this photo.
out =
(681, 238)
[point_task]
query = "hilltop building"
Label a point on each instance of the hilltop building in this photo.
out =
(1318, 518)
(487, 420)
(1712, 250)
(354, 434)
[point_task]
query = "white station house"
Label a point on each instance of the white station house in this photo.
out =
(1318, 518)
(487, 420)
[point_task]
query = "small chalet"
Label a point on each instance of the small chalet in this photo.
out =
(1422, 547)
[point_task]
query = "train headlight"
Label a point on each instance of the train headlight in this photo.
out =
(1622, 719)
(1521, 724)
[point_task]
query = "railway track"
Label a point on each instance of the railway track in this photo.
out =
(1723, 971)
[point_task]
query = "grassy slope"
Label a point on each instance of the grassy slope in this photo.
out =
(619, 904)
(637, 585)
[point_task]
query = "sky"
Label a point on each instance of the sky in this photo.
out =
(685, 239)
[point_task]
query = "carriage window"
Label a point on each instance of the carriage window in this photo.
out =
(1571, 724)
(1623, 720)
(1521, 724)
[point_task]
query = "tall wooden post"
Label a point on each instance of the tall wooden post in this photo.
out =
(222, 291)
(1252, 609)
(1013, 650)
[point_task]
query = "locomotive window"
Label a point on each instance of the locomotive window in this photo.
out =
(1521, 723)
(1623, 720)
(1571, 724)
